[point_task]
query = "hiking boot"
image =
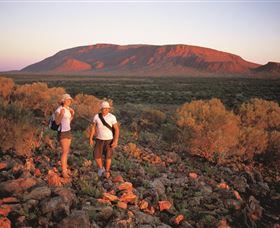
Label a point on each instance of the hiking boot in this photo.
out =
(100, 171)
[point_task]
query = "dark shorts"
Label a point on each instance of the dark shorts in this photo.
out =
(103, 146)
(64, 135)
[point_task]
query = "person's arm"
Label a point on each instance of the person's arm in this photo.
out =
(116, 136)
(92, 133)
(59, 116)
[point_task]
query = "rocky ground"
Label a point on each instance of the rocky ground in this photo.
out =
(146, 189)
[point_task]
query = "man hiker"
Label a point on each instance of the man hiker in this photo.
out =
(106, 130)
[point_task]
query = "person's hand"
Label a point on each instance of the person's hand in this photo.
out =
(114, 144)
(90, 142)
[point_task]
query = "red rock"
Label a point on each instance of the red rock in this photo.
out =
(5, 223)
(128, 197)
(5, 210)
(143, 204)
(193, 175)
(37, 172)
(223, 186)
(150, 210)
(109, 196)
(3, 165)
(236, 194)
(164, 205)
(9, 200)
(122, 205)
(125, 186)
(118, 179)
(179, 219)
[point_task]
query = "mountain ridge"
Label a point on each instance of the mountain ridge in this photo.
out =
(144, 59)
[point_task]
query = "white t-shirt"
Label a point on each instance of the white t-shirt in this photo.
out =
(101, 131)
(66, 119)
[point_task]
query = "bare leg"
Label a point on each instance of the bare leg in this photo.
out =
(108, 164)
(65, 144)
(99, 163)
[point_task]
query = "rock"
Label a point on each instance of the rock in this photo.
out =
(76, 219)
(38, 193)
(254, 210)
(158, 186)
(67, 194)
(240, 184)
(250, 177)
(164, 205)
(185, 224)
(31, 203)
(162, 225)
(206, 190)
(55, 206)
(17, 186)
(143, 218)
(3, 165)
(105, 213)
(5, 222)
(233, 204)
(258, 176)
(174, 157)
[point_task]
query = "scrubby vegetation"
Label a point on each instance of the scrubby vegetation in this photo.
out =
(197, 163)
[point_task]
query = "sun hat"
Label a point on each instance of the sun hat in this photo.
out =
(104, 104)
(65, 97)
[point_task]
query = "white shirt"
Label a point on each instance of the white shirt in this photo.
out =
(101, 131)
(66, 119)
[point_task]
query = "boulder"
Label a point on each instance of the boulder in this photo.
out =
(76, 219)
(17, 186)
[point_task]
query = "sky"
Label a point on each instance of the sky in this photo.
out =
(31, 31)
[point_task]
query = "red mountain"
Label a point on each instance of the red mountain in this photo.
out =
(109, 59)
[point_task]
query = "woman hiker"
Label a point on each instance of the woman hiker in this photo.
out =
(63, 117)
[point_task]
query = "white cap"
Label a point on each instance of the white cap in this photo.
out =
(104, 104)
(65, 97)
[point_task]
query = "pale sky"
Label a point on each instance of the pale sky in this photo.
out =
(34, 30)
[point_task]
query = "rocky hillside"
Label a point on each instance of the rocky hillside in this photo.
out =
(109, 59)
(145, 189)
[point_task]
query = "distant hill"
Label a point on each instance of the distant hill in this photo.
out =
(145, 60)
(270, 67)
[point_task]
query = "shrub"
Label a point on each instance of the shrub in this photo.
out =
(85, 106)
(274, 145)
(151, 119)
(19, 131)
(260, 125)
(38, 98)
(6, 88)
(261, 114)
(252, 141)
(207, 129)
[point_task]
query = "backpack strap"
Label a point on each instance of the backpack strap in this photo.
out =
(104, 122)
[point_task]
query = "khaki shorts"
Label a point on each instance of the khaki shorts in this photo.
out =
(103, 146)
(64, 135)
